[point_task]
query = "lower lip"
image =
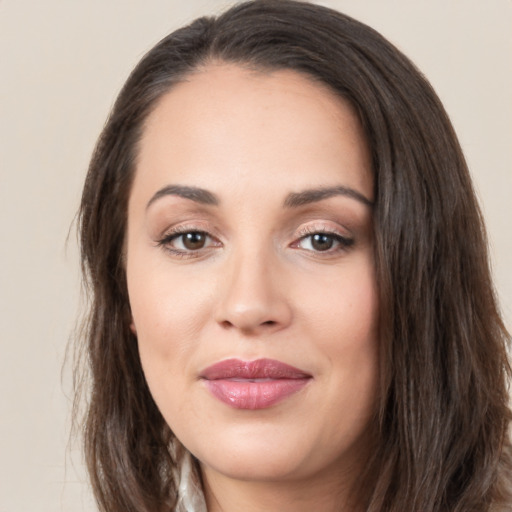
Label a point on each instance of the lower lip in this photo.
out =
(246, 394)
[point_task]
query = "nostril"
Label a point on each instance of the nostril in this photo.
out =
(226, 324)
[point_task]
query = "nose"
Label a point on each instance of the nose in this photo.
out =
(253, 296)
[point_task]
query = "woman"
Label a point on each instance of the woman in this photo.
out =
(291, 302)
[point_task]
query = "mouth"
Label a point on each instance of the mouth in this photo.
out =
(253, 384)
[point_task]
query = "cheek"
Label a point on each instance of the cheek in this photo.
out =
(163, 303)
(168, 316)
(343, 309)
(342, 321)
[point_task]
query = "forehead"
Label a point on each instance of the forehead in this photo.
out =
(225, 120)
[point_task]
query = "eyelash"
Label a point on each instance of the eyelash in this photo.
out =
(177, 233)
(343, 243)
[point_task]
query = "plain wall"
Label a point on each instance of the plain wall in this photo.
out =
(62, 63)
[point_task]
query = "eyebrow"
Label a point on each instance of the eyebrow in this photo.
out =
(199, 195)
(296, 199)
(293, 200)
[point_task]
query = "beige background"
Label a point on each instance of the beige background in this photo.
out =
(61, 65)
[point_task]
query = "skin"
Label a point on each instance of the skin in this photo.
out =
(258, 287)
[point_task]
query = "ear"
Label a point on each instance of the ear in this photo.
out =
(133, 328)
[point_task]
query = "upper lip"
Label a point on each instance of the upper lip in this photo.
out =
(257, 369)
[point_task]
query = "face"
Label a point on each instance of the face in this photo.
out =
(251, 276)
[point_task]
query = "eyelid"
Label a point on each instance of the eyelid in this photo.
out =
(187, 227)
(169, 237)
(322, 227)
(343, 240)
(170, 234)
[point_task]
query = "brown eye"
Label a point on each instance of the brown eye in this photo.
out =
(188, 242)
(321, 242)
(194, 240)
(324, 242)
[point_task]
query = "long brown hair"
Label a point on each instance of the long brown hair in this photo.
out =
(443, 414)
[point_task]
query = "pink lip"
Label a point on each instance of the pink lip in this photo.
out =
(253, 384)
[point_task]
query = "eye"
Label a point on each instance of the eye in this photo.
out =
(192, 241)
(183, 242)
(324, 242)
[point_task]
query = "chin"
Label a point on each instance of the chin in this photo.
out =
(258, 456)
(255, 467)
